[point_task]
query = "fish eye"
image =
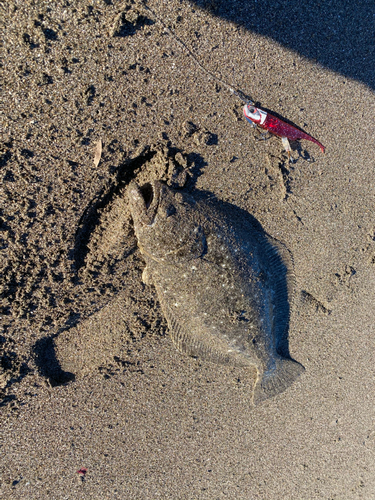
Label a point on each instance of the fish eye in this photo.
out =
(252, 109)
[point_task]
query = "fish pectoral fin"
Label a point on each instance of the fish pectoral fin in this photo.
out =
(277, 380)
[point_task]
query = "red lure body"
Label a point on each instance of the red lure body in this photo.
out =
(276, 126)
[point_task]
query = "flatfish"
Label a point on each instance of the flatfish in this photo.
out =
(223, 284)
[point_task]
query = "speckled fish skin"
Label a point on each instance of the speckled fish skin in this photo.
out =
(222, 285)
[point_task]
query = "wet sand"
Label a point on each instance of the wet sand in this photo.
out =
(89, 377)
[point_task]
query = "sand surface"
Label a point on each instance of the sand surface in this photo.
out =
(89, 376)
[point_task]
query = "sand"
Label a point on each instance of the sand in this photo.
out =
(89, 377)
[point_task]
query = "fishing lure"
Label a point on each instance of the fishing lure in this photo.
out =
(277, 127)
(254, 115)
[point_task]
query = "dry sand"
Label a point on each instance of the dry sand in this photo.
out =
(145, 421)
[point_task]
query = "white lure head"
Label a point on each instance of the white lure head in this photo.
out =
(254, 115)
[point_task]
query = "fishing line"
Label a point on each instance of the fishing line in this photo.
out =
(237, 92)
(256, 116)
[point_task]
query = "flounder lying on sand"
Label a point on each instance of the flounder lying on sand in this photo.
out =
(223, 285)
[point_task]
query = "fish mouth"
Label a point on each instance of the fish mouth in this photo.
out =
(147, 192)
(144, 201)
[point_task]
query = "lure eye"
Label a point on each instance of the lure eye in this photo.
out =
(252, 110)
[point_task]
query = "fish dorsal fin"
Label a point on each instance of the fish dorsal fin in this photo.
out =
(278, 262)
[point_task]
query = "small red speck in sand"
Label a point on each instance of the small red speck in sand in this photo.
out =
(82, 471)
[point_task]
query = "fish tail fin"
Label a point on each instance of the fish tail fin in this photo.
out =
(277, 380)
